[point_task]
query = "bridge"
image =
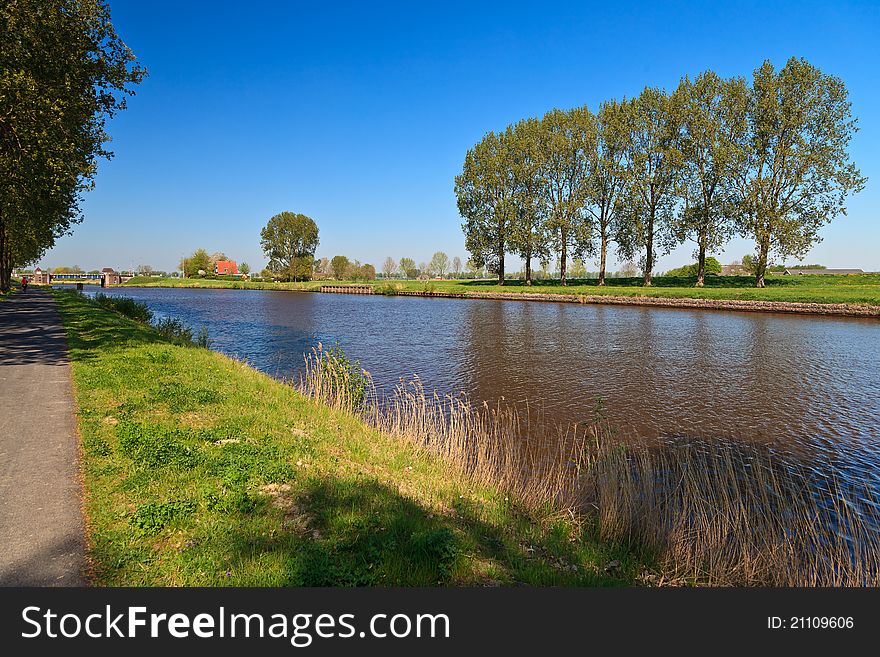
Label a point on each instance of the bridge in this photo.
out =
(76, 277)
(105, 278)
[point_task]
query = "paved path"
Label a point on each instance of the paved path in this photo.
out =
(41, 523)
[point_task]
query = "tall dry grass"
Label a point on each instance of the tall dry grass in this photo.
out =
(717, 512)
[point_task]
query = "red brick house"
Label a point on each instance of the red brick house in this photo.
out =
(226, 267)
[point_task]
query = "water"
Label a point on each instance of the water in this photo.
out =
(801, 383)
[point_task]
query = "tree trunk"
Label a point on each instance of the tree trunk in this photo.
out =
(761, 265)
(563, 255)
(501, 269)
(5, 259)
(528, 270)
(649, 257)
(604, 250)
(701, 266)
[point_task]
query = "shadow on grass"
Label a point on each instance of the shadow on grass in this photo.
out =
(352, 532)
(89, 332)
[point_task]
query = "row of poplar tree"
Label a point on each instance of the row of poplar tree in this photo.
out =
(716, 157)
(63, 73)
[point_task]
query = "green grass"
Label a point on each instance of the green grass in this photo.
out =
(856, 289)
(200, 471)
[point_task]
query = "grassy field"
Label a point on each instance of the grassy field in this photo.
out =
(200, 471)
(856, 289)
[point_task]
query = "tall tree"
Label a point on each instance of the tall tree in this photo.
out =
(567, 141)
(528, 230)
(484, 194)
(289, 241)
(340, 265)
(798, 172)
(439, 264)
(389, 267)
(713, 122)
(63, 72)
(199, 261)
(456, 266)
(607, 176)
(653, 166)
(408, 268)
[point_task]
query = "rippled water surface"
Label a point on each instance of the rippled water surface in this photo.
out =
(808, 383)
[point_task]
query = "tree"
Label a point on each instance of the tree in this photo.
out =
(567, 141)
(607, 177)
(244, 268)
(709, 265)
(528, 231)
(339, 265)
(63, 72)
(145, 270)
(439, 264)
(214, 259)
(652, 172)
(798, 172)
(714, 119)
(483, 192)
(456, 266)
(389, 267)
(750, 263)
(408, 267)
(289, 241)
(322, 267)
(198, 261)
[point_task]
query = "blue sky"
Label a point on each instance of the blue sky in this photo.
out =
(360, 114)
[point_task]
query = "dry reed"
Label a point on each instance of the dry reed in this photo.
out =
(714, 512)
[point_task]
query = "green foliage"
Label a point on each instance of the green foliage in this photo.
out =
(153, 516)
(712, 267)
(409, 268)
(155, 447)
(346, 377)
(439, 264)
(799, 172)
(174, 329)
(132, 309)
(289, 241)
(339, 265)
(484, 193)
(713, 116)
(63, 73)
(768, 160)
(198, 262)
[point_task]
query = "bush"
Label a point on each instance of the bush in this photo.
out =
(124, 306)
(177, 331)
(174, 329)
(712, 267)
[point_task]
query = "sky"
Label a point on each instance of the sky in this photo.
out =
(360, 114)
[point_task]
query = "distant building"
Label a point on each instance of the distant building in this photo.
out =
(813, 272)
(735, 269)
(40, 277)
(226, 267)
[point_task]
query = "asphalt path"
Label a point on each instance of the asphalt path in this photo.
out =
(41, 523)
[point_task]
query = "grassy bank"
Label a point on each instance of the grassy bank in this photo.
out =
(199, 470)
(856, 289)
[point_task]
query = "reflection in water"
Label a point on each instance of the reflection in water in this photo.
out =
(809, 383)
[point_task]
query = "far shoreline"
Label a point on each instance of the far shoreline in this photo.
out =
(578, 294)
